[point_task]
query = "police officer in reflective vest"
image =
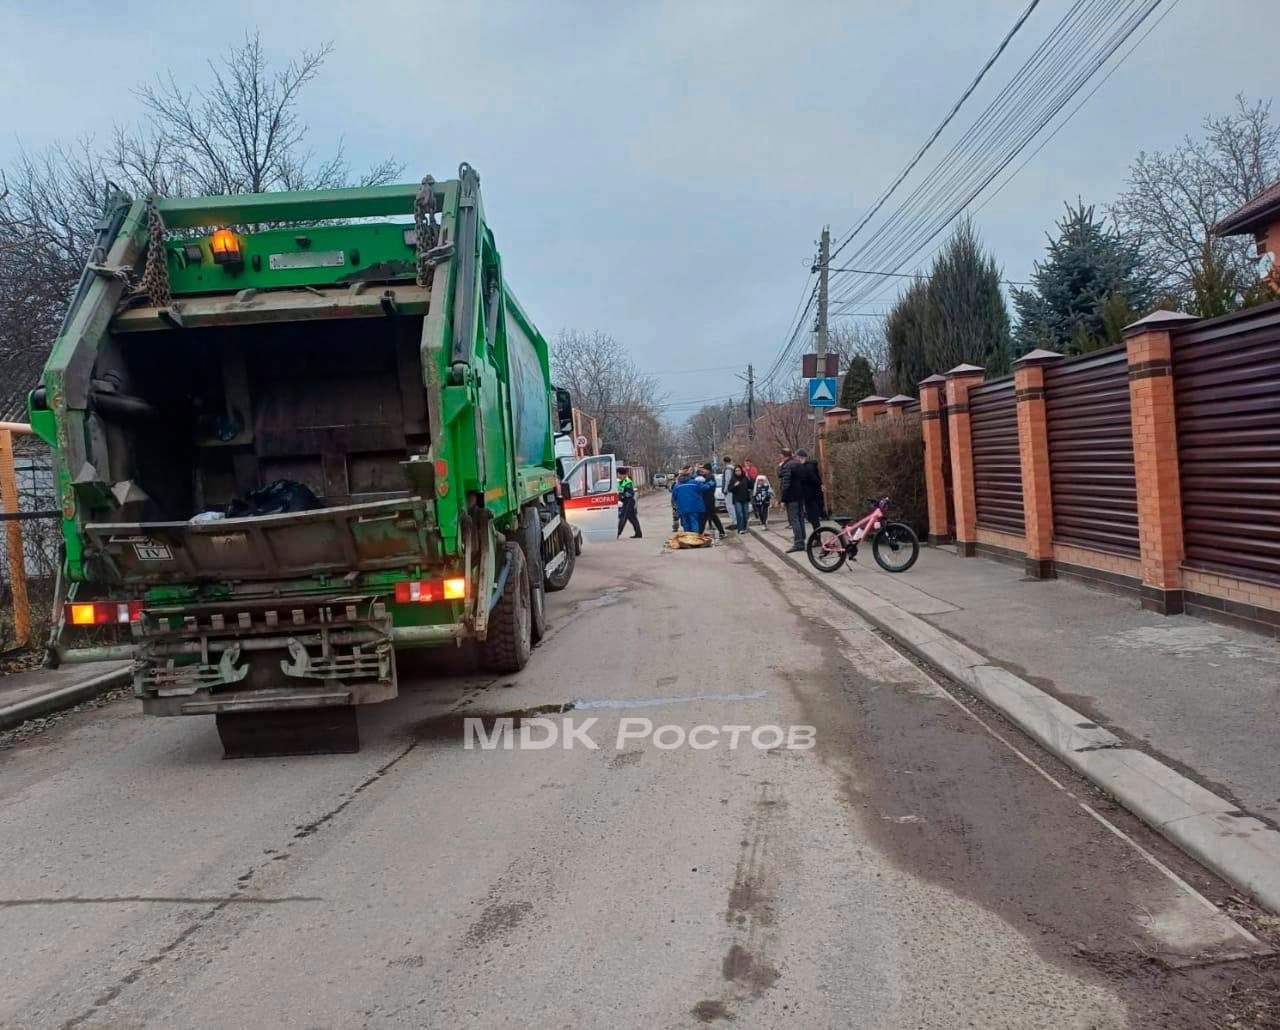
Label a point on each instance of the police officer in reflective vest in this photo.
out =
(627, 506)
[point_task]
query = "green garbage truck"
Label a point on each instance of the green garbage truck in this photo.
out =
(296, 435)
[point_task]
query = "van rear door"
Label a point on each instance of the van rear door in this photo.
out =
(592, 504)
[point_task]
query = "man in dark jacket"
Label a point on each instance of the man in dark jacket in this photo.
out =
(810, 479)
(709, 499)
(792, 496)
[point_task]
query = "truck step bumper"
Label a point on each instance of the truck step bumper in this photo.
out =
(274, 699)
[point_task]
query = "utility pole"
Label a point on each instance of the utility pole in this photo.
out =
(729, 434)
(824, 261)
(751, 403)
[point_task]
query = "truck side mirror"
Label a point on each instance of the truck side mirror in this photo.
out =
(564, 410)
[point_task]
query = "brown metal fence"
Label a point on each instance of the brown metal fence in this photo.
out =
(1095, 496)
(997, 467)
(1227, 396)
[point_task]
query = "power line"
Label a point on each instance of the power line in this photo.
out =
(799, 320)
(941, 125)
(989, 136)
(1057, 129)
(1029, 104)
(692, 371)
(911, 275)
(1081, 42)
(1084, 100)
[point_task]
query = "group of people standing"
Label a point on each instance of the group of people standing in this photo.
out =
(744, 489)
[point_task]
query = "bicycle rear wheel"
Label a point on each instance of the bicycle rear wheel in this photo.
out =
(895, 547)
(826, 552)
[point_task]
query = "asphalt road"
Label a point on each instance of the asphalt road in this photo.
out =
(911, 869)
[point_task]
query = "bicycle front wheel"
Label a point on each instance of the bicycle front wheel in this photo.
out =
(825, 549)
(895, 547)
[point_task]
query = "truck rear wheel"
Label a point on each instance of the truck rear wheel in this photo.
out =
(537, 577)
(559, 579)
(510, 636)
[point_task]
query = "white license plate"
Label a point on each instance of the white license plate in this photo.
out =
(308, 259)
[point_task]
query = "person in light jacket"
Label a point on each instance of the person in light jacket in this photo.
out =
(761, 499)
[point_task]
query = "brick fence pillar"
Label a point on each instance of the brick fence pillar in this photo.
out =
(870, 408)
(1149, 343)
(959, 381)
(1033, 451)
(935, 479)
(833, 417)
(897, 405)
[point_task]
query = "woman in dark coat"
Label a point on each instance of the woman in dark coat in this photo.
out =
(740, 488)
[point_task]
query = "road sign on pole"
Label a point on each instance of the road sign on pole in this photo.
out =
(809, 366)
(822, 392)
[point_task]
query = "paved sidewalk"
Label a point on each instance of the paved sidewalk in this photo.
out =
(1178, 718)
(1204, 697)
(26, 695)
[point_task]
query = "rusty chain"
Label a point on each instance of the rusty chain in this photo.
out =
(154, 282)
(425, 229)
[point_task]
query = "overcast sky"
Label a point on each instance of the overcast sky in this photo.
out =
(655, 170)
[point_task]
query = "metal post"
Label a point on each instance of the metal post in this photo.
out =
(824, 261)
(13, 540)
(751, 403)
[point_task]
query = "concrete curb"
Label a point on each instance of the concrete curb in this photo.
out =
(1242, 850)
(63, 697)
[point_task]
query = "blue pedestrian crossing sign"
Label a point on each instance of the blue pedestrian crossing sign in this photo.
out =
(822, 392)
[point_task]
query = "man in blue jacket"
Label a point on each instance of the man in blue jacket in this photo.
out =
(689, 503)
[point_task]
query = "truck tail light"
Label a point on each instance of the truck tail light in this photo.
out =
(422, 591)
(104, 613)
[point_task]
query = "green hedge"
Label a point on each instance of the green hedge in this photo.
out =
(885, 457)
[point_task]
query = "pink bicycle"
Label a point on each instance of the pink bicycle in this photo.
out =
(894, 544)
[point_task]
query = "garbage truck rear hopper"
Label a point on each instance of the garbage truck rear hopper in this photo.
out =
(293, 440)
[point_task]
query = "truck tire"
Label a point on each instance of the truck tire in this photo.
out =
(537, 579)
(509, 641)
(559, 579)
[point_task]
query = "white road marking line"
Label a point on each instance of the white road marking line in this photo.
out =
(1155, 862)
(1150, 858)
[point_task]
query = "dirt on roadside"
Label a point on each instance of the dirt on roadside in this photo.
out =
(986, 826)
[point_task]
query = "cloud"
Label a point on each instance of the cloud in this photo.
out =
(659, 171)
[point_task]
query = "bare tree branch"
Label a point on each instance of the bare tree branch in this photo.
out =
(242, 132)
(597, 370)
(1174, 199)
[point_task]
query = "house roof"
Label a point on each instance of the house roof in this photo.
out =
(19, 374)
(1256, 214)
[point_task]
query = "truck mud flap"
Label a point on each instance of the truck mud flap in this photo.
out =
(279, 733)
